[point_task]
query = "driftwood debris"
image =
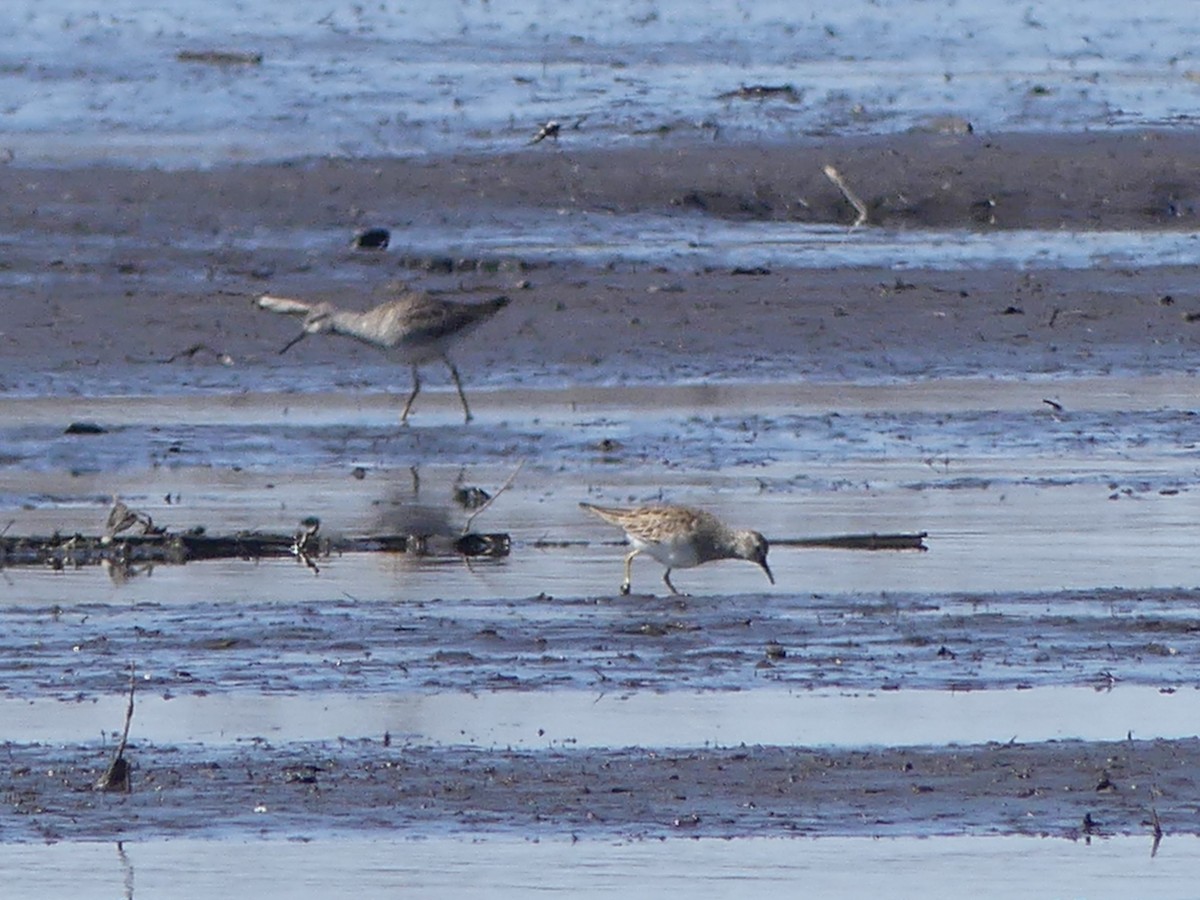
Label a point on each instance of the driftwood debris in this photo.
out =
(762, 92)
(117, 776)
(221, 57)
(904, 541)
(913, 541)
(72, 551)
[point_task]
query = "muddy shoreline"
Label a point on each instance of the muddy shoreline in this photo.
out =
(1037, 420)
(1095, 639)
(1136, 179)
(303, 790)
(169, 262)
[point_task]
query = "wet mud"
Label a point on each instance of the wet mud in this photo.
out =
(1037, 420)
(1069, 789)
(1097, 639)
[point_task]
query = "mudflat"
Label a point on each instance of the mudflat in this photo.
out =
(128, 300)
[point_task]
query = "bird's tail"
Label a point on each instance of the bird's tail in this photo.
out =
(607, 513)
(284, 305)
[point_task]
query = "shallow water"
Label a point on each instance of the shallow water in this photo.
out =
(86, 85)
(1014, 496)
(999, 867)
(685, 243)
(677, 243)
(613, 717)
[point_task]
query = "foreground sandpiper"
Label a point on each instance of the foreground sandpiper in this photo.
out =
(680, 537)
(417, 327)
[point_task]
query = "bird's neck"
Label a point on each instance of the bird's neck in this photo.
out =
(354, 324)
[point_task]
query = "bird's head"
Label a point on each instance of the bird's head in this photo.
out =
(317, 320)
(753, 547)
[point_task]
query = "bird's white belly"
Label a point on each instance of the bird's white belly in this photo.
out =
(674, 554)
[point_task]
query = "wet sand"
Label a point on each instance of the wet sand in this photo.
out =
(845, 399)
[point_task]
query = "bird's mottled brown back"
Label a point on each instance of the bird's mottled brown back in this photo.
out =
(654, 523)
(420, 320)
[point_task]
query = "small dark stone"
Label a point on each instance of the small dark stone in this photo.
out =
(373, 239)
(483, 545)
(471, 497)
(85, 428)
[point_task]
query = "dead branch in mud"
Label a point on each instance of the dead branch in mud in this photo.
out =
(492, 499)
(220, 57)
(75, 551)
(913, 541)
(117, 776)
(1158, 832)
(873, 541)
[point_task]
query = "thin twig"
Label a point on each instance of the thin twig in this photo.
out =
(116, 776)
(128, 712)
(492, 499)
(1158, 832)
(861, 208)
(902, 541)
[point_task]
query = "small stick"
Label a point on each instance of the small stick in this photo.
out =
(492, 499)
(116, 777)
(913, 541)
(861, 208)
(1158, 832)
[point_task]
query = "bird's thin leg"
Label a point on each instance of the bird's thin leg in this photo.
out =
(627, 584)
(667, 580)
(413, 396)
(458, 384)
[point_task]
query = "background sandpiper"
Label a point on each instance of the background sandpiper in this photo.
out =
(417, 327)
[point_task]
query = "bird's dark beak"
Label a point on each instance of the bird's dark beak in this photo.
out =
(767, 569)
(293, 342)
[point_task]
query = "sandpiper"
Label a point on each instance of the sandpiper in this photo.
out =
(680, 537)
(416, 326)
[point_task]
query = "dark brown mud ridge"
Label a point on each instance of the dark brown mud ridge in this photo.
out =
(1063, 789)
(1133, 179)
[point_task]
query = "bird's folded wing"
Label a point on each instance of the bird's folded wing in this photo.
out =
(284, 305)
